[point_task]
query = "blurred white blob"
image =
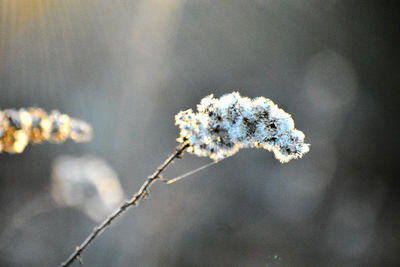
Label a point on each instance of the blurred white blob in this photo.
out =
(295, 192)
(330, 81)
(351, 228)
(87, 183)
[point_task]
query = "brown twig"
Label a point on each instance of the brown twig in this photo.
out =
(98, 230)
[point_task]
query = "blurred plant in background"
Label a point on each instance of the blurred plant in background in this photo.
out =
(19, 127)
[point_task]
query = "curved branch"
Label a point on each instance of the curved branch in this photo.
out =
(98, 230)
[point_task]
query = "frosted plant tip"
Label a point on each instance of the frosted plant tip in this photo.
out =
(223, 126)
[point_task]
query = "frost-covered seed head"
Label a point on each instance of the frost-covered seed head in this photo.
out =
(223, 126)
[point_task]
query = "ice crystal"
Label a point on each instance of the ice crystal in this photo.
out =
(223, 126)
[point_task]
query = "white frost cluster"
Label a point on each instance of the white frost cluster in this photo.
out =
(223, 126)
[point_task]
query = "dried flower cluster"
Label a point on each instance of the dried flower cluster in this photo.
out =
(222, 126)
(19, 127)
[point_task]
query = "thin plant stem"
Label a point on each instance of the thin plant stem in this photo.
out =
(180, 177)
(141, 194)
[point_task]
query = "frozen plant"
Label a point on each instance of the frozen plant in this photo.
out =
(218, 130)
(222, 126)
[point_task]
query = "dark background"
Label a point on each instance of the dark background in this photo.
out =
(127, 67)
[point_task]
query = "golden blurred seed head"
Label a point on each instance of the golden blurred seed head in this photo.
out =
(26, 119)
(35, 125)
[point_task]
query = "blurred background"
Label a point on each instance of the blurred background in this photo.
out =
(127, 67)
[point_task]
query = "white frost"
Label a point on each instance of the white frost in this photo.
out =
(222, 126)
